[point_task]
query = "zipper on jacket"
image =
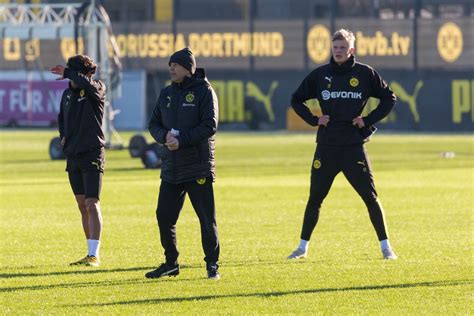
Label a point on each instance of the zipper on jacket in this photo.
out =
(174, 110)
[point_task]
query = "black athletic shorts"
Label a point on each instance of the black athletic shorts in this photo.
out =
(85, 172)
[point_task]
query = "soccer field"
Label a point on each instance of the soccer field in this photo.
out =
(261, 191)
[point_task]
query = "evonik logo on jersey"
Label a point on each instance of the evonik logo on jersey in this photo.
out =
(326, 95)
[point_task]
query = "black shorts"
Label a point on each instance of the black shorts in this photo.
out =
(85, 173)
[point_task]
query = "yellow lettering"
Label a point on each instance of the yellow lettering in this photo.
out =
(278, 44)
(32, 49)
(382, 43)
(235, 101)
(404, 44)
(371, 45)
(195, 42)
(142, 45)
(230, 95)
(132, 45)
(255, 43)
(153, 48)
(11, 49)
(151, 45)
(164, 45)
(219, 88)
(378, 45)
(395, 48)
(461, 99)
(265, 44)
(241, 44)
(228, 44)
(217, 45)
(206, 45)
(122, 44)
(179, 44)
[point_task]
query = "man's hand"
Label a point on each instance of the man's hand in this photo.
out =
(323, 120)
(63, 141)
(169, 136)
(358, 121)
(172, 143)
(58, 70)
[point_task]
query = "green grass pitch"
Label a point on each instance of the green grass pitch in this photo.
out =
(261, 190)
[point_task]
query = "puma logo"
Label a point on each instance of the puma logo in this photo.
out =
(362, 163)
(254, 91)
(401, 93)
(96, 164)
(328, 79)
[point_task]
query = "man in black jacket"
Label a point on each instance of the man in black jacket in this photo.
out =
(185, 121)
(82, 138)
(343, 87)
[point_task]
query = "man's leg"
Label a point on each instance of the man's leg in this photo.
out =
(201, 194)
(170, 202)
(93, 185)
(77, 184)
(323, 171)
(81, 204)
(358, 172)
(95, 218)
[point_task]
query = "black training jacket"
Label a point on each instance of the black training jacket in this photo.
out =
(190, 107)
(343, 92)
(80, 114)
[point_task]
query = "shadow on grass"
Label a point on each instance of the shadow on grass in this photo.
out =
(89, 270)
(74, 270)
(90, 284)
(283, 293)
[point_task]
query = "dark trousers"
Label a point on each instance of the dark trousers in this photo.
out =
(85, 172)
(354, 163)
(170, 202)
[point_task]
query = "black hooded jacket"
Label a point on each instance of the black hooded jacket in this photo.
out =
(80, 114)
(342, 92)
(190, 107)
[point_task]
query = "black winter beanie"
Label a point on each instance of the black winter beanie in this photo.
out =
(185, 58)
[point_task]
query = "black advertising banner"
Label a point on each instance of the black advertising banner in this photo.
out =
(431, 101)
(273, 45)
(446, 44)
(146, 45)
(427, 101)
(386, 44)
(287, 48)
(223, 44)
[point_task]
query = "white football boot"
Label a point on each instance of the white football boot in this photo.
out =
(389, 254)
(298, 254)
